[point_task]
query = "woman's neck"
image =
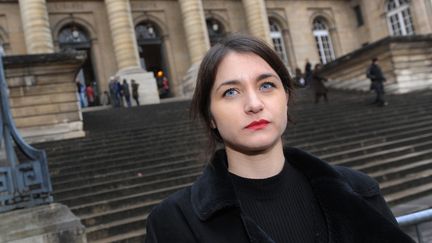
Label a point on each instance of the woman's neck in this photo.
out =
(260, 165)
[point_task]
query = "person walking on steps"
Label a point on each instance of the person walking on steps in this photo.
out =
(255, 189)
(135, 94)
(318, 84)
(375, 74)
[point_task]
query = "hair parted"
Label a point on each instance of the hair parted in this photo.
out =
(240, 43)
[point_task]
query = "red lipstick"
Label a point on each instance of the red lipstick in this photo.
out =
(256, 125)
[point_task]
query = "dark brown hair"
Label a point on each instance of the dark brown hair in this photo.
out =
(200, 106)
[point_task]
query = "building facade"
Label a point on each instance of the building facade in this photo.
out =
(173, 35)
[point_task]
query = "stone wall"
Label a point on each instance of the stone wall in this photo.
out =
(52, 223)
(42, 95)
(405, 61)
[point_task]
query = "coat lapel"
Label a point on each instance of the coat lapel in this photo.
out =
(349, 218)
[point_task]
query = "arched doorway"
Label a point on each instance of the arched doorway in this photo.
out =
(151, 54)
(323, 40)
(73, 37)
(216, 30)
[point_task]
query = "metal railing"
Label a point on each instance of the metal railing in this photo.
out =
(415, 219)
(23, 184)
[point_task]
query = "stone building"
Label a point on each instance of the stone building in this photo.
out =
(171, 36)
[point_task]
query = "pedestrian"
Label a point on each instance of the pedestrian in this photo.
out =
(318, 84)
(106, 100)
(254, 189)
(90, 95)
(375, 74)
(299, 80)
(80, 92)
(119, 92)
(113, 92)
(308, 72)
(126, 92)
(135, 94)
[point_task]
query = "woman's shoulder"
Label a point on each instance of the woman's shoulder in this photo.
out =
(360, 182)
(172, 204)
(167, 221)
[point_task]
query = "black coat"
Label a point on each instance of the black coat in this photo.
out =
(208, 211)
(375, 74)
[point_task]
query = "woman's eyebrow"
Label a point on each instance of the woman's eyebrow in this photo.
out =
(264, 76)
(228, 82)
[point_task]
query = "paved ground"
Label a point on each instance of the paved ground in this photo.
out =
(414, 206)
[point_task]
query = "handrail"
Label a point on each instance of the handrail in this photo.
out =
(26, 183)
(415, 219)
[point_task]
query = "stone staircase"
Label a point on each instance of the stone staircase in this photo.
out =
(133, 158)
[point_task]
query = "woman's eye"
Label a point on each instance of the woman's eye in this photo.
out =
(267, 86)
(230, 92)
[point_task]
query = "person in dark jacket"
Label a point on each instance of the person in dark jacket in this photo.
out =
(308, 72)
(135, 94)
(254, 189)
(126, 92)
(375, 74)
(318, 84)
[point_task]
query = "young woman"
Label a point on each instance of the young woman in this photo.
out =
(254, 189)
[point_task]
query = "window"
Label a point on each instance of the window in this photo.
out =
(399, 17)
(216, 30)
(72, 34)
(323, 41)
(146, 32)
(278, 41)
(359, 16)
(2, 51)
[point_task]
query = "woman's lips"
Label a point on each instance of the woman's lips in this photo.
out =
(256, 125)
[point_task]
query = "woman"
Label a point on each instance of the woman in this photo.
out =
(254, 190)
(318, 84)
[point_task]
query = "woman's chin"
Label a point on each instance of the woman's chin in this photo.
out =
(253, 147)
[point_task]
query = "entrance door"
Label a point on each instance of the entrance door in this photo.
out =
(73, 37)
(151, 53)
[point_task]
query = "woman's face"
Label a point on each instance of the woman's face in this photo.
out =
(248, 103)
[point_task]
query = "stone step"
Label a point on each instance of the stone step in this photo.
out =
(376, 156)
(410, 181)
(400, 171)
(408, 194)
(136, 236)
(110, 166)
(120, 172)
(123, 141)
(329, 132)
(385, 146)
(365, 141)
(391, 162)
(117, 227)
(73, 168)
(124, 201)
(129, 187)
(367, 131)
(118, 213)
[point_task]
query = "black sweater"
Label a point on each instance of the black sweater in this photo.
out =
(283, 206)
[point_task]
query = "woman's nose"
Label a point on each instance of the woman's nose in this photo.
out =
(253, 103)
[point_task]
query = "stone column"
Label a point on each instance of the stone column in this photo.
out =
(36, 27)
(123, 33)
(257, 19)
(126, 51)
(195, 28)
